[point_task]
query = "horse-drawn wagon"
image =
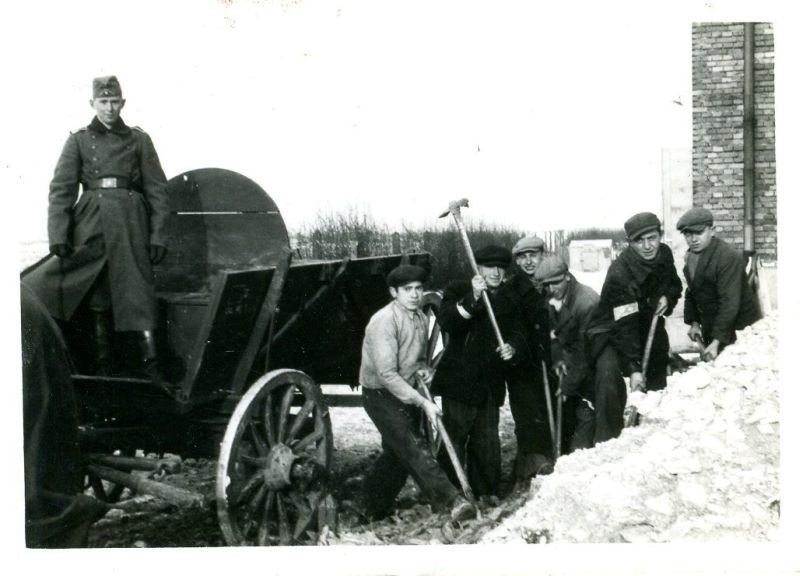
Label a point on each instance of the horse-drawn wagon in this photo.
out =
(248, 340)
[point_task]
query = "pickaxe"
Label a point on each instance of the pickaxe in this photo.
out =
(455, 210)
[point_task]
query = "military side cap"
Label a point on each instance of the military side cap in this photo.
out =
(695, 220)
(492, 255)
(528, 244)
(106, 86)
(641, 223)
(552, 268)
(406, 273)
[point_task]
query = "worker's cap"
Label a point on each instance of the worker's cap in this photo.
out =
(695, 220)
(528, 244)
(105, 87)
(551, 269)
(493, 255)
(406, 273)
(640, 224)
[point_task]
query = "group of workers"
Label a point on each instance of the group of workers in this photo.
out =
(106, 240)
(552, 326)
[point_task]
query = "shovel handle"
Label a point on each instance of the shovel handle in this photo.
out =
(648, 346)
(451, 451)
(549, 402)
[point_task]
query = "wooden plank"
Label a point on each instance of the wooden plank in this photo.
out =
(265, 316)
(223, 338)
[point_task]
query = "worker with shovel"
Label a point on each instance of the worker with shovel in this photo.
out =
(392, 357)
(718, 298)
(641, 287)
(571, 305)
(526, 385)
(472, 372)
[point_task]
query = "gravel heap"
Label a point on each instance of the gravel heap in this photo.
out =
(703, 465)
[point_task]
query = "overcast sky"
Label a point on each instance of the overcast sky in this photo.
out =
(542, 117)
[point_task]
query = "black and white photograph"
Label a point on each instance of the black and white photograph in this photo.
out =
(399, 288)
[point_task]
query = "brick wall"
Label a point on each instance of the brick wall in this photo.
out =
(718, 108)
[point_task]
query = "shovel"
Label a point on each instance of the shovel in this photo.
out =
(631, 414)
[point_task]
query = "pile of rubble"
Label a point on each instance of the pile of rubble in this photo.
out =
(703, 465)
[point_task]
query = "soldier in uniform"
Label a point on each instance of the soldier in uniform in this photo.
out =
(640, 284)
(106, 241)
(718, 299)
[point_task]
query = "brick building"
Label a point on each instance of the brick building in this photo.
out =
(719, 152)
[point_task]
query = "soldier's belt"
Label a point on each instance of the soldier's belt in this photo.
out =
(107, 182)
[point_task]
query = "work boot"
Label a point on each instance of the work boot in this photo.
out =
(150, 364)
(103, 332)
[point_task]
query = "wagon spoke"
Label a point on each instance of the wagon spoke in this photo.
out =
(258, 439)
(305, 512)
(249, 486)
(263, 528)
(300, 419)
(283, 523)
(268, 416)
(303, 443)
(251, 510)
(286, 404)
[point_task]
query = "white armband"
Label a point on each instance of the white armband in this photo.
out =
(625, 310)
(464, 314)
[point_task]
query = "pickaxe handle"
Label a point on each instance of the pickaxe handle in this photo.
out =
(451, 451)
(474, 265)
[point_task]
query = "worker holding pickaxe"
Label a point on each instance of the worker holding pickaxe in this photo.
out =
(627, 336)
(485, 339)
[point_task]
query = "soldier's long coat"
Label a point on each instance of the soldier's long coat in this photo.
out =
(107, 227)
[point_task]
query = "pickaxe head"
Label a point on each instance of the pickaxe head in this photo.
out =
(455, 207)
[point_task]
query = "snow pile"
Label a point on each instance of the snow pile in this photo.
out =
(703, 465)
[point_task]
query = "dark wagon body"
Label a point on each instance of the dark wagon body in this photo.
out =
(247, 336)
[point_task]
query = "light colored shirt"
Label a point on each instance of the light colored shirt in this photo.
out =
(395, 346)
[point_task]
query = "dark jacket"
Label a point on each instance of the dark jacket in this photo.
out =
(525, 297)
(718, 296)
(629, 297)
(107, 227)
(470, 365)
(568, 343)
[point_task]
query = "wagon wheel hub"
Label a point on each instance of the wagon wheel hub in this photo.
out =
(278, 469)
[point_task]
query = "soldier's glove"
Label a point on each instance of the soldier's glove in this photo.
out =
(61, 250)
(157, 253)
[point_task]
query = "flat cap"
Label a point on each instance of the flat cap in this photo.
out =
(528, 244)
(552, 268)
(695, 220)
(641, 223)
(493, 255)
(105, 87)
(406, 273)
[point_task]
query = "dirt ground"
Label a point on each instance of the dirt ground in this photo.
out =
(145, 521)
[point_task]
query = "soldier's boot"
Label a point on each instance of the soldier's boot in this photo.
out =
(103, 333)
(150, 364)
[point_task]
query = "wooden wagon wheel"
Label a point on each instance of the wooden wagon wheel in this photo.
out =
(437, 340)
(274, 462)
